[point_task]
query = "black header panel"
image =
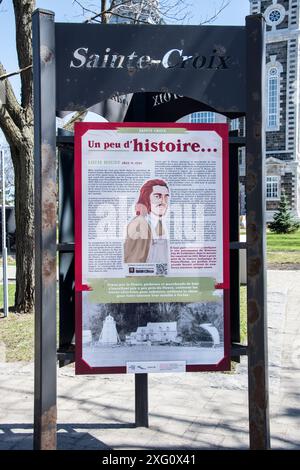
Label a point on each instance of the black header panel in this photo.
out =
(96, 62)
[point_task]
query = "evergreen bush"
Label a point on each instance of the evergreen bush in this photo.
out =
(283, 220)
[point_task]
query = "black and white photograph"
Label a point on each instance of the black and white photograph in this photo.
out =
(115, 334)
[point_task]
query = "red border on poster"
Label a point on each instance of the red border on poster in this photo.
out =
(81, 366)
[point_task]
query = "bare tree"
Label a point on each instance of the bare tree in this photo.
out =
(134, 11)
(16, 117)
(169, 11)
(16, 121)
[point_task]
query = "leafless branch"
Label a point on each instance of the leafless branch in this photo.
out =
(84, 9)
(17, 72)
(175, 11)
(106, 12)
(124, 17)
(171, 11)
(213, 17)
(77, 117)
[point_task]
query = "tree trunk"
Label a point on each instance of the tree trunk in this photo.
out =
(24, 210)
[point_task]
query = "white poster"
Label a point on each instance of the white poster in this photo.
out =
(151, 227)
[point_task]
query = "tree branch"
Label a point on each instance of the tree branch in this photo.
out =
(176, 10)
(124, 17)
(84, 9)
(222, 7)
(106, 12)
(170, 10)
(9, 128)
(103, 8)
(11, 74)
(11, 103)
(77, 117)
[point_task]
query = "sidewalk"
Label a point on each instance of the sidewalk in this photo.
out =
(187, 411)
(11, 273)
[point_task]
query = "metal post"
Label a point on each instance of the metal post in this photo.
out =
(45, 229)
(4, 248)
(141, 400)
(256, 236)
(66, 240)
(234, 237)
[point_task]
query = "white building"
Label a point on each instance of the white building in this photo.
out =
(109, 335)
(160, 332)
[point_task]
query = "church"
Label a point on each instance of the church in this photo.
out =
(282, 101)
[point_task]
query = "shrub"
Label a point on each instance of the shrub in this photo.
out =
(284, 221)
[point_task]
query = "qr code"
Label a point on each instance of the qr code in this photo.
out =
(161, 269)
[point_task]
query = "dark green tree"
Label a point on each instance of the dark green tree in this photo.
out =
(284, 221)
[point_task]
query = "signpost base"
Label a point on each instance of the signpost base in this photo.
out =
(141, 401)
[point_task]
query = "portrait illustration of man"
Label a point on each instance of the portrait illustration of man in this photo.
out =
(147, 234)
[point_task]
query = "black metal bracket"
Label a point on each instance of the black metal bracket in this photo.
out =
(238, 350)
(238, 245)
(64, 356)
(65, 247)
(237, 141)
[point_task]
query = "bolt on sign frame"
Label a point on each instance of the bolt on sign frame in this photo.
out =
(82, 66)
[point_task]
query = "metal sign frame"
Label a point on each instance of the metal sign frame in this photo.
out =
(45, 44)
(222, 130)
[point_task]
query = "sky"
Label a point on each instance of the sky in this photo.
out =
(65, 11)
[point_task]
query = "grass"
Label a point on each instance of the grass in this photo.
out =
(285, 258)
(243, 314)
(283, 242)
(11, 295)
(11, 260)
(16, 332)
(283, 250)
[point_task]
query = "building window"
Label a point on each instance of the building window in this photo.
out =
(203, 117)
(275, 15)
(235, 124)
(273, 187)
(242, 161)
(242, 200)
(273, 99)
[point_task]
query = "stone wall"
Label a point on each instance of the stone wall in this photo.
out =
(276, 140)
(288, 186)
